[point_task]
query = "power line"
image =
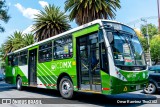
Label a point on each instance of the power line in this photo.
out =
(139, 20)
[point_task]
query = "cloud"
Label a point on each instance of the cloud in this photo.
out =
(28, 29)
(43, 3)
(27, 12)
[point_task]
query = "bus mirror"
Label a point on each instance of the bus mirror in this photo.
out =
(110, 37)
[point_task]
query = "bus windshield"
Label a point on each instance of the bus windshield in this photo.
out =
(127, 50)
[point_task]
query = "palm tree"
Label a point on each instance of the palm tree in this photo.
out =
(28, 39)
(16, 41)
(49, 22)
(84, 11)
(2, 52)
(13, 42)
(3, 14)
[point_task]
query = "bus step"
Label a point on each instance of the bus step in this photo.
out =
(90, 91)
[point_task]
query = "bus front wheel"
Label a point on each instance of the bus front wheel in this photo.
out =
(66, 88)
(19, 83)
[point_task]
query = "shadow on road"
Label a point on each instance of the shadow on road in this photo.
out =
(119, 99)
(6, 87)
(87, 98)
(96, 99)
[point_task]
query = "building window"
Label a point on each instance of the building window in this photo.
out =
(63, 47)
(23, 58)
(45, 52)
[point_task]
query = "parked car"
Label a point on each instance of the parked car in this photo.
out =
(154, 80)
(1, 77)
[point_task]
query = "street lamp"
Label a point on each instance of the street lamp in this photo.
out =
(148, 39)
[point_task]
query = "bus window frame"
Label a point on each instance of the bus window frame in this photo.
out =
(70, 42)
(101, 33)
(44, 60)
(26, 53)
(10, 63)
(17, 55)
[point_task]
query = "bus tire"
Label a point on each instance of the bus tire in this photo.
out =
(66, 88)
(19, 83)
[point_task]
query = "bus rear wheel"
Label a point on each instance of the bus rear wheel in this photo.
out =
(66, 88)
(19, 83)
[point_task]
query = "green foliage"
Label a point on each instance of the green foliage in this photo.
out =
(3, 14)
(144, 43)
(51, 21)
(2, 52)
(16, 41)
(152, 30)
(155, 48)
(28, 39)
(84, 11)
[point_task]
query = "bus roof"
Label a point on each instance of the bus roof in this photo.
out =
(67, 32)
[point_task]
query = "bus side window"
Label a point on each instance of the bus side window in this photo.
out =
(22, 58)
(15, 60)
(45, 52)
(10, 60)
(63, 47)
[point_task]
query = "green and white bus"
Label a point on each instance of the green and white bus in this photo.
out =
(102, 56)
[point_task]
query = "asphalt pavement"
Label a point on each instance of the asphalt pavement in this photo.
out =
(35, 97)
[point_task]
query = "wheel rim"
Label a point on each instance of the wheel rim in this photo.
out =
(150, 89)
(66, 87)
(18, 84)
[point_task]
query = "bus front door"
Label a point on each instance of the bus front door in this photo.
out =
(32, 67)
(88, 63)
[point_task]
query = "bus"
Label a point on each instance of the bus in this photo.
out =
(102, 56)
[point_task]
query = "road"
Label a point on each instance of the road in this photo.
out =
(81, 100)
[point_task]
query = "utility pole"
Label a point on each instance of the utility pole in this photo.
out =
(148, 39)
(158, 15)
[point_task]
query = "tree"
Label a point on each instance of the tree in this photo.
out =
(28, 39)
(49, 22)
(2, 51)
(3, 14)
(17, 41)
(144, 43)
(152, 30)
(138, 32)
(84, 11)
(142, 39)
(155, 48)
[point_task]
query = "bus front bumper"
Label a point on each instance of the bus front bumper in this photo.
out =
(128, 87)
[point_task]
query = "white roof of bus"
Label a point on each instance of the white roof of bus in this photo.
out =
(67, 32)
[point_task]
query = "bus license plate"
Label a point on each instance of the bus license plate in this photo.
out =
(138, 87)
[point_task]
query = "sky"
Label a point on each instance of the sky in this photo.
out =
(22, 14)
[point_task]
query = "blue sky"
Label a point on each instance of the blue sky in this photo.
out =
(22, 13)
